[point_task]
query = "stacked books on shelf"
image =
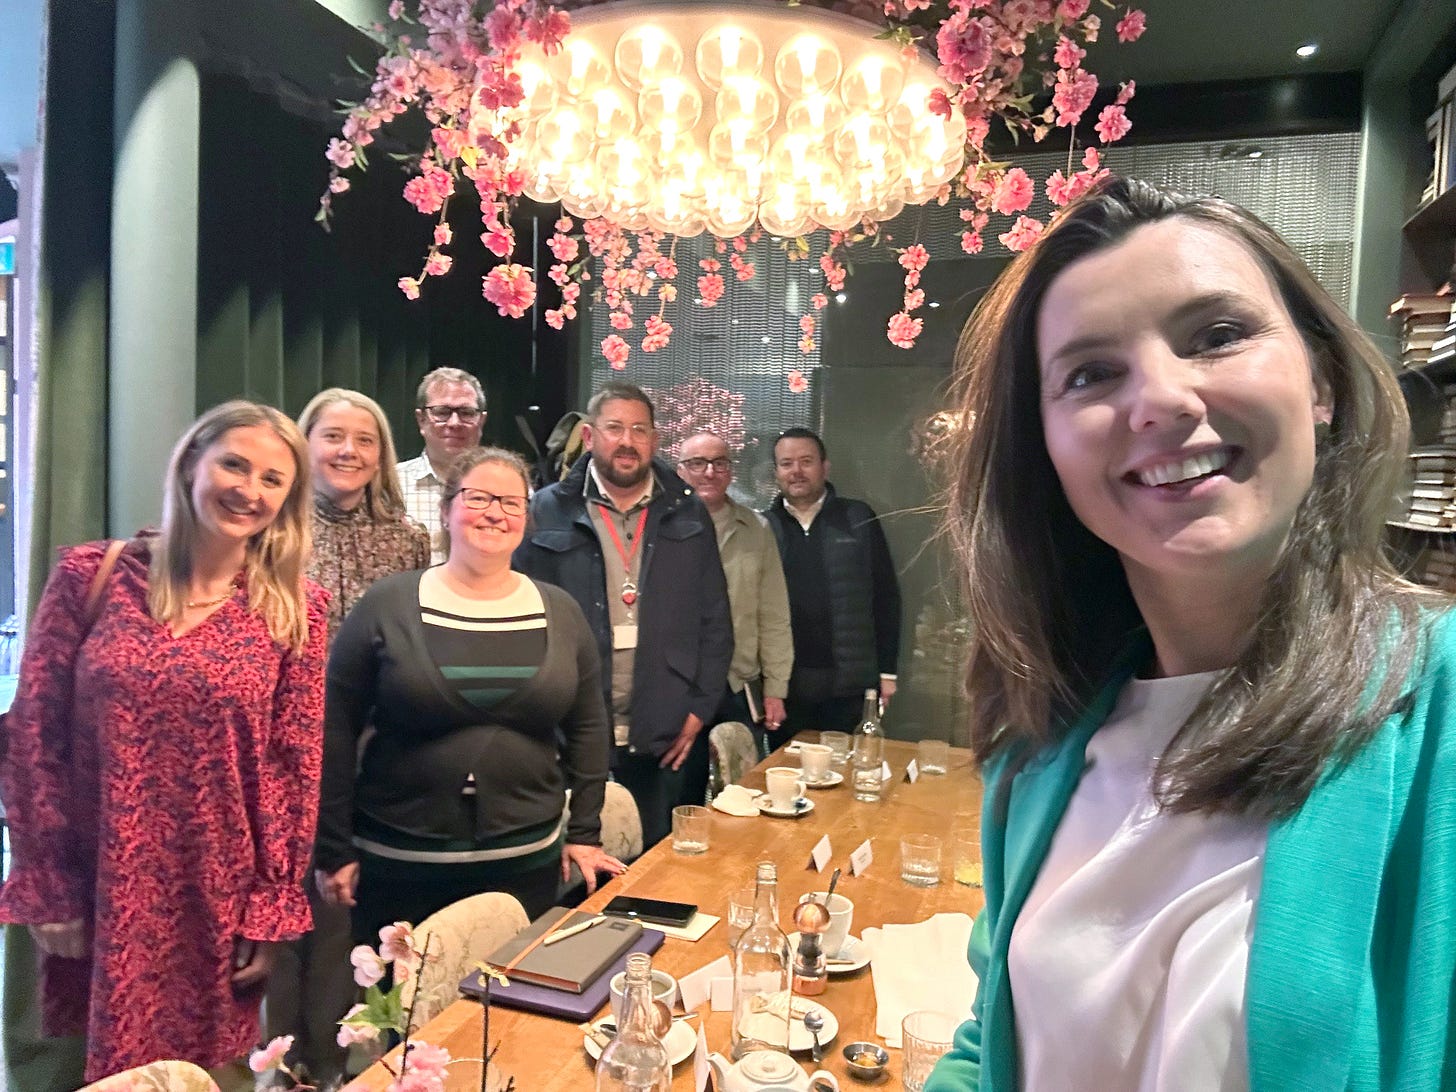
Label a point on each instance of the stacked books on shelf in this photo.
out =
(1441, 133)
(1427, 328)
(1436, 568)
(1446, 431)
(1432, 504)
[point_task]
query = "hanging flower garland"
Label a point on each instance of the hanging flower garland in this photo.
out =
(456, 64)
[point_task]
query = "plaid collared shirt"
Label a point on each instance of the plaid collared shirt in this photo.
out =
(422, 495)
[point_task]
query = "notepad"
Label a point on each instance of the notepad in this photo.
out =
(571, 964)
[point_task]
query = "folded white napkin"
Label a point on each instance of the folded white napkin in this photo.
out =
(921, 966)
(737, 800)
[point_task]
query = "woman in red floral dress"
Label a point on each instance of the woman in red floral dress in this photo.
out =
(161, 775)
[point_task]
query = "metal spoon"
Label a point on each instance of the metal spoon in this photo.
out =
(821, 1085)
(833, 883)
(815, 1022)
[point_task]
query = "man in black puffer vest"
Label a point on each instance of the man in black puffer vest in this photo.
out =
(844, 598)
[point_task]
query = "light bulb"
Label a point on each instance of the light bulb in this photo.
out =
(735, 142)
(818, 115)
(807, 65)
(727, 51)
(563, 136)
(872, 83)
(646, 55)
(538, 86)
(862, 141)
(750, 99)
(610, 113)
(579, 69)
(671, 105)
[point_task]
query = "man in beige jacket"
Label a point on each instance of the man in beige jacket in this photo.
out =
(763, 646)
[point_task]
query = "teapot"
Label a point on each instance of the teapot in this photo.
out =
(768, 1071)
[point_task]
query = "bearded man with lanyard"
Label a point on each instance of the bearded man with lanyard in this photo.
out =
(637, 550)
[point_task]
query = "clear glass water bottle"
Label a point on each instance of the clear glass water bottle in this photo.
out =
(869, 751)
(635, 1060)
(761, 973)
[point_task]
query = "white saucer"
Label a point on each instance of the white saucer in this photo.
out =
(833, 778)
(681, 1040)
(854, 949)
(761, 1026)
(803, 806)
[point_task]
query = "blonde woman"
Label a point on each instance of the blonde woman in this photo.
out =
(360, 531)
(161, 775)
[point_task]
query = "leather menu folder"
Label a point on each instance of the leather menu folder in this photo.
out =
(576, 1007)
(571, 964)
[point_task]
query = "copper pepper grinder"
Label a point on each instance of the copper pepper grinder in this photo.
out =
(811, 972)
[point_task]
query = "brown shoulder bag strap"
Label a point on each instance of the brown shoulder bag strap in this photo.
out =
(98, 582)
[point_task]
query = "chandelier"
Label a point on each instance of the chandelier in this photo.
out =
(688, 116)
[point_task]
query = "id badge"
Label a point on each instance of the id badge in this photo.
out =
(624, 637)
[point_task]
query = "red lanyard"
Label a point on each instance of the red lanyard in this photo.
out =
(629, 588)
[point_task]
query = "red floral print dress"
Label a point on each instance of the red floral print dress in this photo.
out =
(169, 798)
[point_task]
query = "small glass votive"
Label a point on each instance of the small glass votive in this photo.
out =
(740, 913)
(838, 744)
(920, 860)
(934, 756)
(927, 1038)
(690, 825)
(965, 849)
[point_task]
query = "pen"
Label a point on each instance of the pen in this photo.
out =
(579, 928)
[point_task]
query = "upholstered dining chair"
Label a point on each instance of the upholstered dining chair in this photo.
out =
(157, 1077)
(621, 837)
(459, 936)
(732, 752)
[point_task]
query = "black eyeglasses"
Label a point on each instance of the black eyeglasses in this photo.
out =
(478, 500)
(697, 466)
(441, 414)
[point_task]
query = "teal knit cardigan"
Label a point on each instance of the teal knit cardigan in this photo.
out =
(1352, 970)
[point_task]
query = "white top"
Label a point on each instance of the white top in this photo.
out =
(1128, 960)
(422, 495)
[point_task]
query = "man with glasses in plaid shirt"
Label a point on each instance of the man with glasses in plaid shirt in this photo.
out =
(450, 411)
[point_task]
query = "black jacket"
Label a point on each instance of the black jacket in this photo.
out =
(864, 593)
(685, 631)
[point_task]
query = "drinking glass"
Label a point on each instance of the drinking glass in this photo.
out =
(966, 857)
(920, 860)
(838, 743)
(934, 756)
(690, 825)
(927, 1038)
(740, 913)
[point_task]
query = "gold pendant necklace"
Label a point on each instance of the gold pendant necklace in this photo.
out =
(198, 604)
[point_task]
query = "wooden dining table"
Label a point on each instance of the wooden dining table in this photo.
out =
(546, 1054)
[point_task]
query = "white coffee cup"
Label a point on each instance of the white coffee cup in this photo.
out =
(664, 989)
(784, 786)
(841, 917)
(815, 759)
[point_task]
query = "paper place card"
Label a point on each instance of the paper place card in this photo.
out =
(912, 772)
(701, 1068)
(885, 774)
(820, 854)
(697, 987)
(694, 930)
(721, 995)
(860, 859)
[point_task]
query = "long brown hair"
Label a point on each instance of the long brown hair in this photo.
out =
(276, 555)
(1050, 605)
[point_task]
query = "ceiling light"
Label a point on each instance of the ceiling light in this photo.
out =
(1306, 51)
(687, 117)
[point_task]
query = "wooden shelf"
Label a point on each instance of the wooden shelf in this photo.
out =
(1431, 234)
(1422, 528)
(1436, 214)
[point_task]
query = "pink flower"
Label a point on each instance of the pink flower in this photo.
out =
(1014, 192)
(511, 289)
(368, 967)
(503, 28)
(744, 271)
(428, 190)
(914, 258)
(978, 129)
(443, 235)
(564, 247)
(397, 944)
(270, 1056)
(558, 275)
(428, 1058)
(1068, 53)
(411, 289)
(338, 185)
(798, 382)
(548, 30)
(806, 344)
(1069, 11)
(396, 9)
(667, 293)
(1125, 92)
(665, 268)
(616, 351)
(500, 241)
(963, 46)
(1112, 124)
(710, 265)
(939, 103)
(903, 330)
(914, 299)
(659, 333)
(563, 225)
(971, 242)
(806, 324)
(355, 1033)
(1059, 189)
(340, 154)
(555, 319)
(1023, 234)
(449, 141)
(1091, 27)
(1091, 158)
(414, 1081)
(620, 320)
(710, 288)
(1075, 89)
(819, 301)
(1131, 26)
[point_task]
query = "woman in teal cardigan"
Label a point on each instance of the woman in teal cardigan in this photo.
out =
(1215, 724)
